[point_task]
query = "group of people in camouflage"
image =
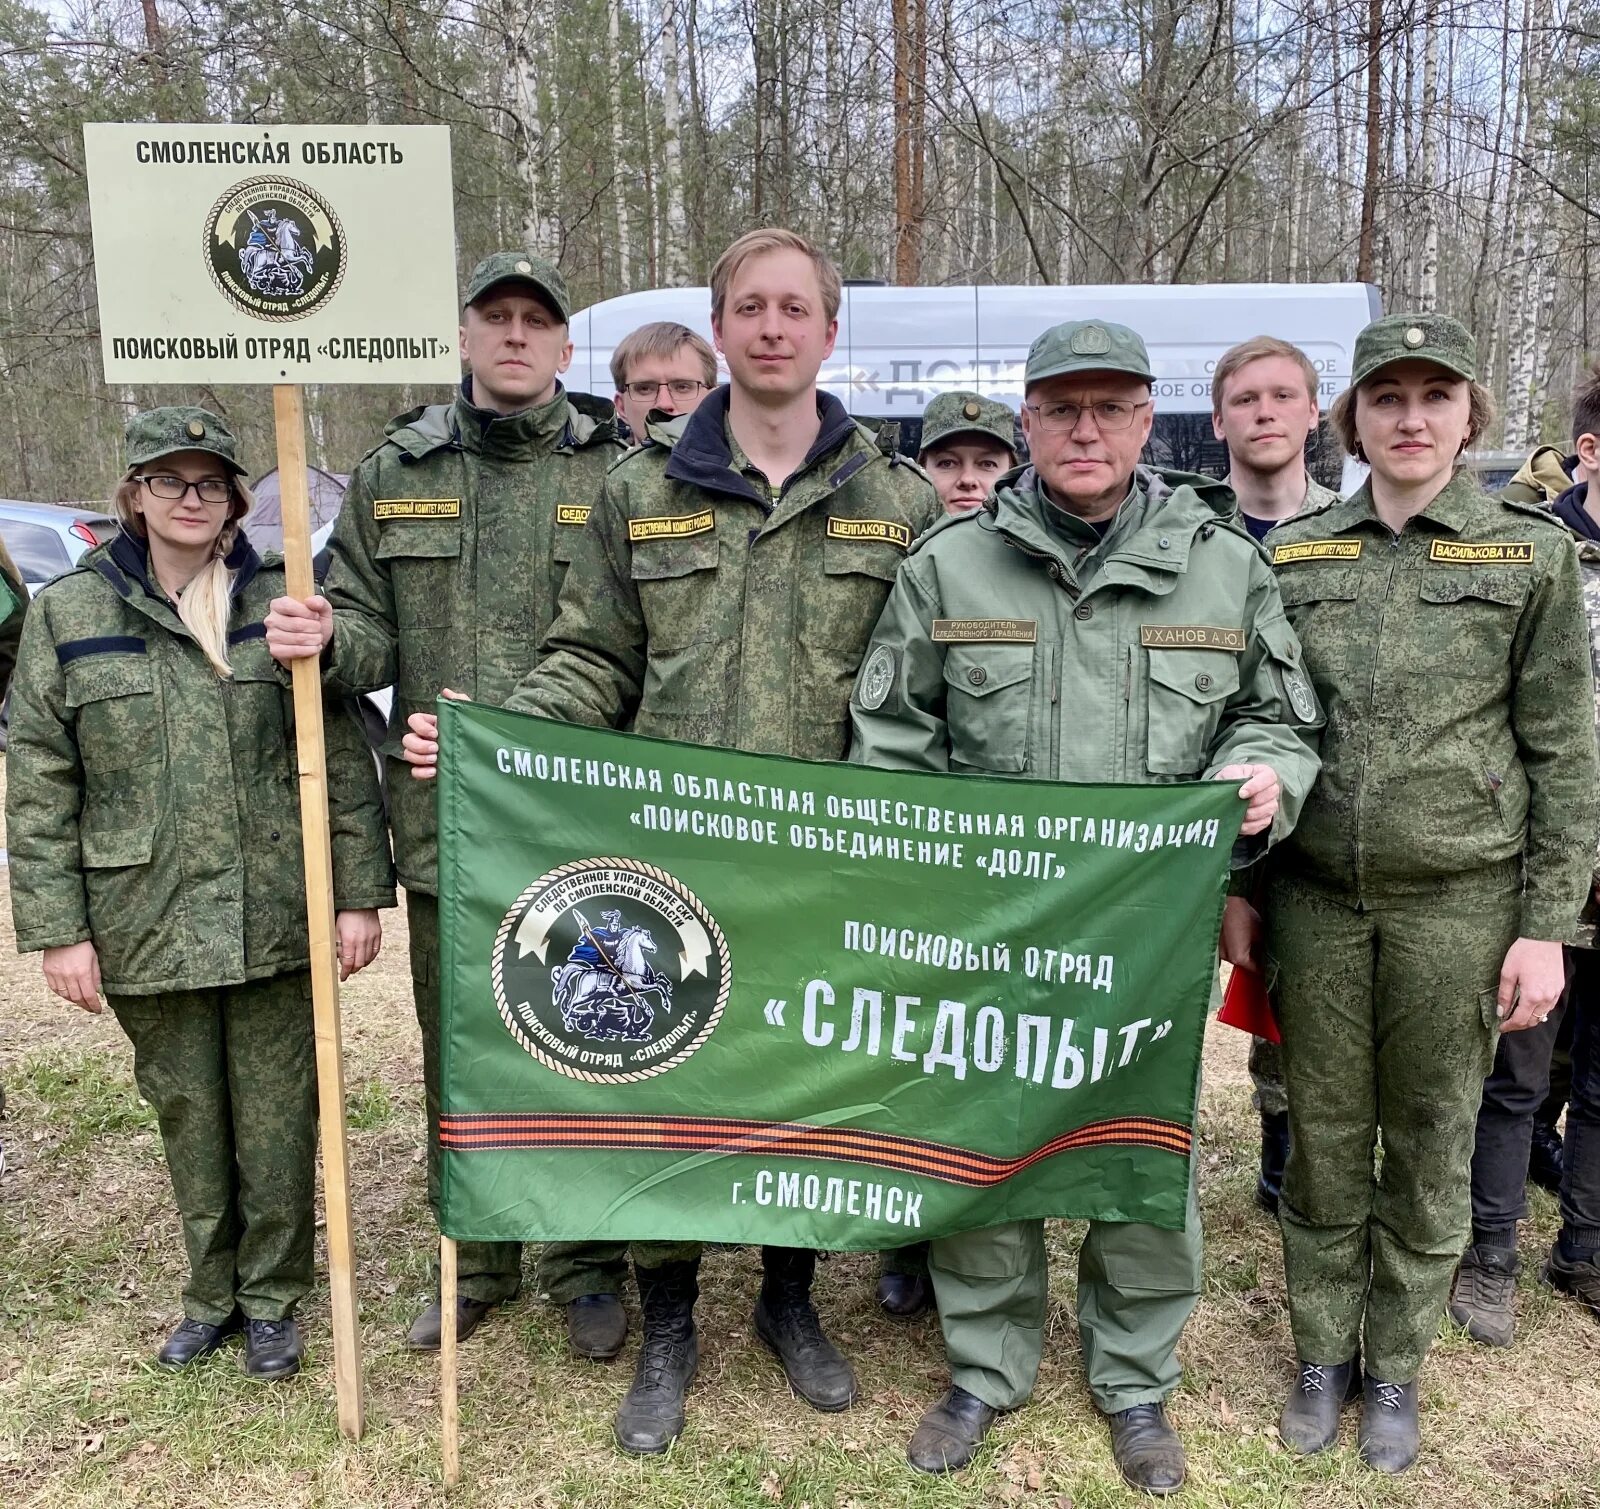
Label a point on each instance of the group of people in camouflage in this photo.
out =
(1399, 683)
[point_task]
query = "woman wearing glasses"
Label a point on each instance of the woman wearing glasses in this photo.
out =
(1419, 907)
(154, 832)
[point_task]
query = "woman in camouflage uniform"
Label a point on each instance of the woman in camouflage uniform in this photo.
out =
(155, 857)
(1419, 907)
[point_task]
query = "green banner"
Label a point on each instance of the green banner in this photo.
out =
(692, 993)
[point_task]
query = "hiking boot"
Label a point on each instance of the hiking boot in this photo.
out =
(427, 1330)
(787, 1322)
(904, 1295)
(194, 1339)
(597, 1325)
(950, 1432)
(1274, 1155)
(1310, 1420)
(650, 1417)
(1545, 1155)
(1147, 1449)
(1579, 1278)
(272, 1348)
(1481, 1296)
(1390, 1437)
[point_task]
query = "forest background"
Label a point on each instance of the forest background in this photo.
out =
(1443, 150)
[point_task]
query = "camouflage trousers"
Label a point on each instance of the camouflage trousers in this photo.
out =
(1389, 1027)
(486, 1271)
(232, 1076)
(569, 1270)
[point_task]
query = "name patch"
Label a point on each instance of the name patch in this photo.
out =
(416, 508)
(672, 527)
(572, 513)
(1190, 637)
(1316, 550)
(870, 529)
(985, 630)
(1461, 553)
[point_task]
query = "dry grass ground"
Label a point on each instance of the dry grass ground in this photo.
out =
(90, 1271)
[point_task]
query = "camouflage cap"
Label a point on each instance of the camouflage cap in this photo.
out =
(1415, 337)
(518, 267)
(955, 414)
(1087, 346)
(163, 432)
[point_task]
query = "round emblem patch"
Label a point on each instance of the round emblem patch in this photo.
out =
(1414, 336)
(1091, 340)
(610, 970)
(877, 677)
(970, 409)
(1301, 698)
(275, 248)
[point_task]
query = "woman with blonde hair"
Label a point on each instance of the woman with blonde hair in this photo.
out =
(1419, 907)
(154, 835)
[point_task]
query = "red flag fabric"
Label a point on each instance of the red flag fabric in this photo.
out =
(1245, 1005)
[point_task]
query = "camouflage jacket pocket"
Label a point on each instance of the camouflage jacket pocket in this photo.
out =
(1187, 690)
(424, 563)
(677, 585)
(112, 695)
(1466, 622)
(989, 705)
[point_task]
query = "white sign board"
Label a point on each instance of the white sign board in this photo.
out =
(274, 254)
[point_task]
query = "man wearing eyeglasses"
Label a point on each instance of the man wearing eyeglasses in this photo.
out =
(1095, 620)
(662, 368)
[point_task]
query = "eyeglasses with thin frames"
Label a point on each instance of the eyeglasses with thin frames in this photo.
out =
(679, 387)
(1109, 413)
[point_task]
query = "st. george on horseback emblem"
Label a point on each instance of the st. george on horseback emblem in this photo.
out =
(610, 970)
(275, 248)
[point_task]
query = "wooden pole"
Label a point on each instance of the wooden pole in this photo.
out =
(288, 411)
(449, 1397)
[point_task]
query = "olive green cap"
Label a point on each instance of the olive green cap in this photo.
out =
(518, 267)
(1415, 337)
(1087, 346)
(163, 432)
(954, 414)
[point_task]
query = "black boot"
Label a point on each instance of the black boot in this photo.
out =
(597, 1325)
(272, 1348)
(650, 1418)
(904, 1295)
(1545, 1155)
(1310, 1420)
(1148, 1451)
(1274, 1155)
(194, 1339)
(787, 1322)
(950, 1432)
(1390, 1436)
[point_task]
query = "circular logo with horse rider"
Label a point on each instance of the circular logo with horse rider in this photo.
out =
(610, 970)
(275, 248)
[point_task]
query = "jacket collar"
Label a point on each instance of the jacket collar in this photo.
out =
(1452, 508)
(125, 564)
(702, 457)
(510, 437)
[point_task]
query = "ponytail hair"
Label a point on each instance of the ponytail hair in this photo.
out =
(205, 604)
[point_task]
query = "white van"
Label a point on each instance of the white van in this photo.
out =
(898, 347)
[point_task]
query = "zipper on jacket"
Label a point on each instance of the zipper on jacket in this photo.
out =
(1372, 694)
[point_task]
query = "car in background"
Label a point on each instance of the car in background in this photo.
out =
(45, 539)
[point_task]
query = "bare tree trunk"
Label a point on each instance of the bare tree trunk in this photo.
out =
(1369, 187)
(618, 140)
(1522, 321)
(676, 239)
(905, 249)
(1341, 138)
(1428, 271)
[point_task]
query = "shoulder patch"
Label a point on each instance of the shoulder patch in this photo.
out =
(877, 678)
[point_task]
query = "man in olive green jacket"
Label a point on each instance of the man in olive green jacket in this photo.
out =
(1094, 621)
(446, 560)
